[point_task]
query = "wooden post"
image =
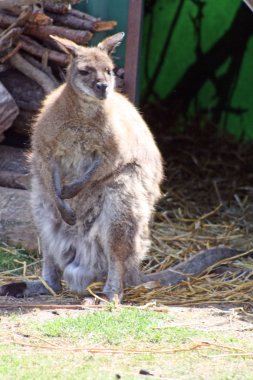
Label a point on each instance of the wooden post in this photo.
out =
(133, 43)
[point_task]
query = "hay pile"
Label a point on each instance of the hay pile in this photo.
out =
(208, 201)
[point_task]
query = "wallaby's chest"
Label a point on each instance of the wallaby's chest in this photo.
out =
(73, 162)
(83, 136)
(75, 152)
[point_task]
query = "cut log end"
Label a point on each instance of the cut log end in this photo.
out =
(8, 109)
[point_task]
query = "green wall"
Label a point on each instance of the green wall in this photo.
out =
(198, 59)
(109, 10)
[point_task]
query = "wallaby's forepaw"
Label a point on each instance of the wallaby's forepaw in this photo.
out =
(69, 191)
(68, 215)
(65, 193)
(72, 189)
(13, 290)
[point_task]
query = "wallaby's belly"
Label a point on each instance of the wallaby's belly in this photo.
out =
(80, 251)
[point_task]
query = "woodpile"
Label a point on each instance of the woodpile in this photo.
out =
(16, 223)
(31, 63)
(31, 66)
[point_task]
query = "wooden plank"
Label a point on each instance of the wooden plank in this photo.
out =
(133, 43)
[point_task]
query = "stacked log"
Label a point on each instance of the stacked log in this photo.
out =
(16, 223)
(31, 63)
(8, 110)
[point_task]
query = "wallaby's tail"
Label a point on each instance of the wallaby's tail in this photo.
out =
(191, 267)
(24, 289)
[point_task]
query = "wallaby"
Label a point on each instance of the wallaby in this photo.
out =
(91, 146)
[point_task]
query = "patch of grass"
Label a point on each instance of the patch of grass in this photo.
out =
(14, 259)
(31, 364)
(44, 366)
(125, 326)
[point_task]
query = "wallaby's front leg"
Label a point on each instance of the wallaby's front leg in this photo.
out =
(67, 214)
(72, 189)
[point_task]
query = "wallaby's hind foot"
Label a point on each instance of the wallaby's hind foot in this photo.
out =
(113, 295)
(113, 288)
(99, 299)
(13, 290)
(26, 289)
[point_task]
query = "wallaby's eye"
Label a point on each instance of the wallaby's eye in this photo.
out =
(84, 72)
(108, 71)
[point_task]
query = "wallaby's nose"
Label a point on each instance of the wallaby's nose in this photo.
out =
(101, 87)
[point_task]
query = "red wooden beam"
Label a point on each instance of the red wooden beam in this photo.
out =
(133, 43)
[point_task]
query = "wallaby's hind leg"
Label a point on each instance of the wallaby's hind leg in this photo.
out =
(120, 250)
(50, 275)
(114, 283)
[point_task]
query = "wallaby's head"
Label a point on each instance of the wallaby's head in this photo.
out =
(90, 72)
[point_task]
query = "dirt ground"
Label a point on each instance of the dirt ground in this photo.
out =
(224, 318)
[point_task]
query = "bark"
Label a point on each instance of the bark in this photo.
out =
(103, 26)
(13, 159)
(6, 20)
(11, 53)
(42, 32)
(27, 94)
(9, 38)
(83, 15)
(14, 180)
(72, 22)
(8, 109)
(33, 72)
(56, 8)
(8, 4)
(37, 50)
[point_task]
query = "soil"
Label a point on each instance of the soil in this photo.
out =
(225, 318)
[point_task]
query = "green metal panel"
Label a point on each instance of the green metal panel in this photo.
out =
(207, 62)
(109, 10)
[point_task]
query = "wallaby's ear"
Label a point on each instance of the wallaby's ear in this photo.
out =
(110, 43)
(68, 46)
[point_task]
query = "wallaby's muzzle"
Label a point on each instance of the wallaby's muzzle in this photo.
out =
(101, 90)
